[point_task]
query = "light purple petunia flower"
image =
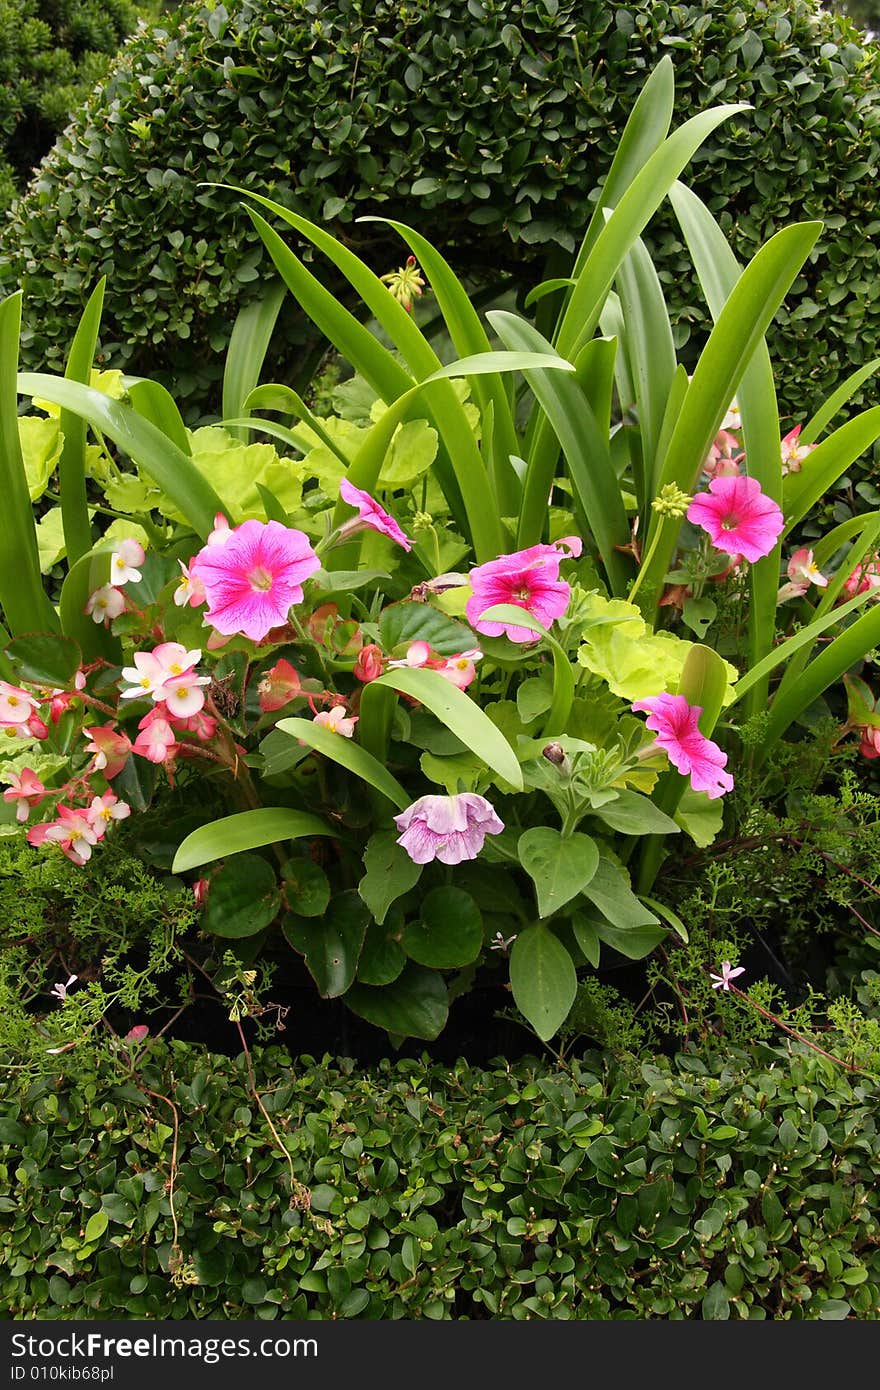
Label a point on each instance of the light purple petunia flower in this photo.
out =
(448, 828)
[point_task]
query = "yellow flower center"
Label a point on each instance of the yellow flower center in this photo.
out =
(145, 682)
(175, 669)
(260, 580)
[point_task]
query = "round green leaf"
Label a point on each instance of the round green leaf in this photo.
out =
(543, 979)
(306, 887)
(415, 1006)
(244, 898)
(332, 945)
(45, 658)
(561, 866)
(450, 932)
(381, 959)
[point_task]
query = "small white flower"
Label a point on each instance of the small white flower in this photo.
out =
(60, 991)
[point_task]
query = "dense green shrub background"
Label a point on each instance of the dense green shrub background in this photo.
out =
(51, 53)
(504, 113)
(735, 1187)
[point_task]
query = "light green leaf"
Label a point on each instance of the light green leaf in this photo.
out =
(349, 755)
(247, 830)
(41, 444)
(611, 892)
(700, 816)
(560, 866)
(389, 873)
(633, 814)
(413, 450)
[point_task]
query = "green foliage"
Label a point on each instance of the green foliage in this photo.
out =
(51, 55)
(735, 1186)
(506, 116)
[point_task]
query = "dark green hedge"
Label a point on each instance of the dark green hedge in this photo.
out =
(486, 123)
(51, 53)
(735, 1187)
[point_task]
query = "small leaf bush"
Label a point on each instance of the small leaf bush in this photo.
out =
(50, 56)
(743, 1187)
(505, 116)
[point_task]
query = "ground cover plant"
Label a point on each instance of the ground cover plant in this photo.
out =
(417, 721)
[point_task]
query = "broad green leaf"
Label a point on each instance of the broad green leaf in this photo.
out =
(389, 873)
(151, 450)
(96, 1225)
(41, 443)
(633, 942)
(633, 814)
(306, 887)
(22, 598)
(45, 659)
(587, 938)
(237, 470)
(449, 933)
(563, 672)
(50, 539)
(611, 892)
(543, 979)
(381, 959)
(274, 396)
(406, 622)
(244, 898)
(331, 946)
(413, 450)
(560, 866)
(246, 830)
(705, 681)
(416, 1005)
(700, 816)
(72, 464)
(454, 709)
(248, 345)
(349, 755)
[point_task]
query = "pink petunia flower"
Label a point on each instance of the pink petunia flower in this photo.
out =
(723, 980)
(371, 515)
(448, 828)
(528, 579)
(111, 749)
(793, 454)
(254, 578)
(336, 721)
(674, 722)
(104, 810)
(124, 563)
(802, 572)
(738, 518)
(105, 603)
(26, 790)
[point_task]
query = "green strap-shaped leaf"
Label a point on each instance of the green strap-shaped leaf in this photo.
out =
(802, 641)
(72, 463)
(274, 396)
(22, 597)
(836, 401)
(349, 755)
(156, 404)
(152, 450)
(248, 345)
(828, 461)
(651, 353)
(269, 825)
(586, 454)
(454, 709)
(718, 272)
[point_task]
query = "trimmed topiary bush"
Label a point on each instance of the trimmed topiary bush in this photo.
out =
(51, 53)
(735, 1187)
(488, 124)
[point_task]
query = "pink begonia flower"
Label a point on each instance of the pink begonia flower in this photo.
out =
(200, 724)
(145, 678)
(863, 578)
(174, 658)
(221, 532)
(725, 456)
(124, 563)
(59, 990)
(461, 669)
(105, 809)
(183, 695)
(528, 579)
(34, 728)
(278, 686)
(674, 722)
(73, 833)
(26, 790)
(723, 980)
(336, 721)
(201, 888)
(111, 749)
(189, 589)
(793, 454)
(156, 741)
(733, 419)
(870, 742)
(105, 603)
(418, 654)
(370, 515)
(448, 828)
(138, 1033)
(61, 699)
(737, 517)
(16, 705)
(254, 578)
(802, 572)
(370, 663)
